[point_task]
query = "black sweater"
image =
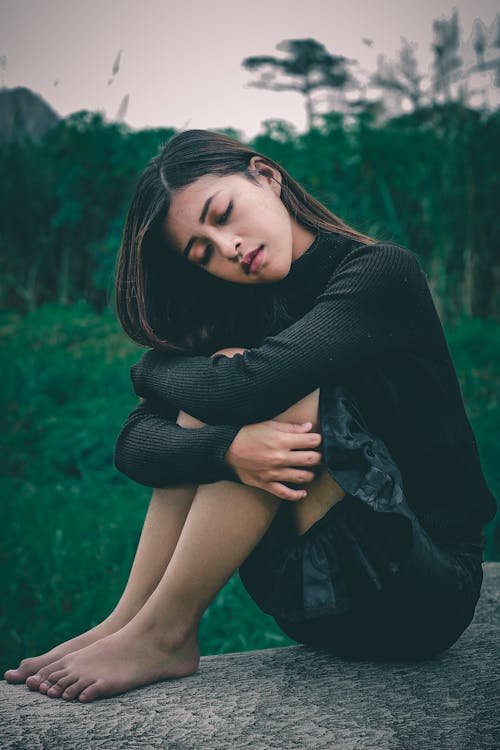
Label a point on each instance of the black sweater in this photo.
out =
(364, 316)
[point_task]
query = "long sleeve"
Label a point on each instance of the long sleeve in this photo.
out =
(368, 309)
(154, 451)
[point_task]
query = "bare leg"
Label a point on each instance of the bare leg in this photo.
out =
(224, 523)
(162, 526)
(324, 492)
(160, 641)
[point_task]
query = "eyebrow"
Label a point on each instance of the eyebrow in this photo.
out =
(203, 216)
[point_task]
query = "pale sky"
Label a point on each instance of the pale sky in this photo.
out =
(181, 59)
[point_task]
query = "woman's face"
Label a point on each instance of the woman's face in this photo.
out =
(220, 222)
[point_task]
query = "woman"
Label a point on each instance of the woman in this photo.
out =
(301, 421)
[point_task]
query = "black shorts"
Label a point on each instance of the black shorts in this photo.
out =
(366, 580)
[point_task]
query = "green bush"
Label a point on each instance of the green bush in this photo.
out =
(475, 348)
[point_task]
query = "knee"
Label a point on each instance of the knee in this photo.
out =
(186, 420)
(230, 351)
(305, 410)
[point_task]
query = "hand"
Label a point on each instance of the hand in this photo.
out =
(263, 455)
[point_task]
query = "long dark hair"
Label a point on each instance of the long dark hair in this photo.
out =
(166, 302)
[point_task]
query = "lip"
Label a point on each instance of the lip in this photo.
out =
(248, 258)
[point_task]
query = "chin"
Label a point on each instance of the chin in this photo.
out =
(281, 272)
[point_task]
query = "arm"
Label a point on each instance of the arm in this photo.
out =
(369, 309)
(154, 451)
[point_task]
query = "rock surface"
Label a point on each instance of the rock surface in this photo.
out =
(286, 699)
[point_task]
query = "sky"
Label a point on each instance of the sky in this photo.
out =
(180, 60)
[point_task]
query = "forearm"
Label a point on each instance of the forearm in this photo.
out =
(372, 308)
(156, 452)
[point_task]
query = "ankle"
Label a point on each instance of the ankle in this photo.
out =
(123, 613)
(173, 636)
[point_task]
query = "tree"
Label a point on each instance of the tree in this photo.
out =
(401, 77)
(486, 44)
(458, 72)
(447, 61)
(306, 68)
(450, 67)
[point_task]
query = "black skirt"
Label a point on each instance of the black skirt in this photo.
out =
(366, 580)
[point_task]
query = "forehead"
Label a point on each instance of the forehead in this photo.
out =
(192, 197)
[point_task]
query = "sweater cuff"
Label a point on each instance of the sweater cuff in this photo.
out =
(223, 436)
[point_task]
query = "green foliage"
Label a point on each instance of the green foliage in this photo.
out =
(424, 180)
(475, 348)
(63, 209)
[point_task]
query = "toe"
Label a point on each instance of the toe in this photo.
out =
(56, 685)
(33, 681)
(14, 675)
(49, 681)
(24, 670)
(90, 693)
(48, 670)
(74, 690)
(56, 691)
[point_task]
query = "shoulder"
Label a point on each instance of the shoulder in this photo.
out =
(379, 264)
(384, 254)
(379, 273)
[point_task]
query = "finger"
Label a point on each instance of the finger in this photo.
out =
(298, 476)
(291, 426)
(303, 459)
(299, 441)
(284, 492)
(298, 436)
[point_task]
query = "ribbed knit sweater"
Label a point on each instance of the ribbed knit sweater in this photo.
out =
(363, 316)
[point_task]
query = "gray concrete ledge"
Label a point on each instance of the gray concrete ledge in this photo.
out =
(288, 699)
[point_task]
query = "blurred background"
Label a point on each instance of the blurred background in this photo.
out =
(388, 112)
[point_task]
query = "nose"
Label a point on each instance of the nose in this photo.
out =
(228, 245)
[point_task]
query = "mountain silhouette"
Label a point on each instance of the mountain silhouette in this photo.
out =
(24, 114)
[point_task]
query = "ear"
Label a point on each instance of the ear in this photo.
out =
(266, 173)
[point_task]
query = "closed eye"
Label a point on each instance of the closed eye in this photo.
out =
(206, 255)
(226, 214)
(209, 248)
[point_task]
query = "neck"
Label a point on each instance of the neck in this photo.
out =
(302, 240)
(312, 269)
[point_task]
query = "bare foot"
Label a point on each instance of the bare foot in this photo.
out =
(129, 658)
(28, 668)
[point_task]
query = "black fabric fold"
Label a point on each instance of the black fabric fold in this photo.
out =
(356, 547)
